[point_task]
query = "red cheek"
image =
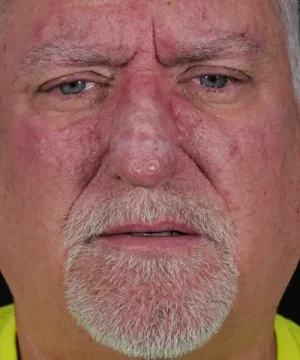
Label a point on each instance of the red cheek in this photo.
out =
(68, 156)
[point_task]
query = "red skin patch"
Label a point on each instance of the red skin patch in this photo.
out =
(149, 131)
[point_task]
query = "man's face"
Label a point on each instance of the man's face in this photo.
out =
(180, 114)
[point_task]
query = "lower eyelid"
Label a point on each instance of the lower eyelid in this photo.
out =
(92, 84)
(232, 82)
(45, 89)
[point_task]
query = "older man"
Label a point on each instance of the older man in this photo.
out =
(149, 178)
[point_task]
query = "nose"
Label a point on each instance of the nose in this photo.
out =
(143, 151)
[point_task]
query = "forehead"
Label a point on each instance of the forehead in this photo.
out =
(126, 24)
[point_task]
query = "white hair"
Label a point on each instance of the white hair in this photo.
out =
(289, 13)
(146, 303)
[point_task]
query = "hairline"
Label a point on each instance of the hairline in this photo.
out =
(288, 12)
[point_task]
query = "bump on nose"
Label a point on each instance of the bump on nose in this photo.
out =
(143, 161)
(143, 152)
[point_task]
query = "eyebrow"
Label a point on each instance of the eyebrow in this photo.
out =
(217, 47)
(52, 55)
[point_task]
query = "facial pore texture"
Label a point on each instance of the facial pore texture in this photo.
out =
(176, 301)
(3, 15)
(147, 141)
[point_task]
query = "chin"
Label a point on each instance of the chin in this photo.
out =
(150, 305)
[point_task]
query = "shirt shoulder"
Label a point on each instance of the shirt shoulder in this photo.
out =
(288, 339)
(8, 349)
(287, 336)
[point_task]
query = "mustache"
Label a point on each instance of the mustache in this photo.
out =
(90, 218)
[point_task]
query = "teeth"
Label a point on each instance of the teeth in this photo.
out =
(165, 233)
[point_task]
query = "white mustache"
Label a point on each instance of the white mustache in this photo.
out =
(91, 218)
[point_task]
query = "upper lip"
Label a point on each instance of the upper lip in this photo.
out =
(160, 226)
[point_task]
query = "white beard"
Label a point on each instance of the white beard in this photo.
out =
(151, 305)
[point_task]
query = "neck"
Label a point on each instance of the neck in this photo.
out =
(265, 350)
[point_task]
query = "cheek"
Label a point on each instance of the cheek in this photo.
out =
(248, 160)
(243, 149)
(50, 169)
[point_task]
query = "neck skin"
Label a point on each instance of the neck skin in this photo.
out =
(266, 349)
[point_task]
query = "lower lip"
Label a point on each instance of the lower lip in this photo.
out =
(151, 242)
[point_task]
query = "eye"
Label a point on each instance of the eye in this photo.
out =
(215, 85)
(213, 81)
(74, 92)
(74, 87)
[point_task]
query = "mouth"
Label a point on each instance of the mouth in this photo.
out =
(160, 235)
(162, 228)
(156, 234)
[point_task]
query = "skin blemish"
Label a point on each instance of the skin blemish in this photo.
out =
(38, 30)
(141, 153)
(234, 150)
(148, 134)
(204, 14)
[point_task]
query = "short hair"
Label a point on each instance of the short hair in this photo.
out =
(289, 12)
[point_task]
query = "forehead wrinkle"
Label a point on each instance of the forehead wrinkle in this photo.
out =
(219, 46)
(52, 55)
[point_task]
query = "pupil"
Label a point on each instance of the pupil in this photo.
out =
(214, 81)
(72, 88)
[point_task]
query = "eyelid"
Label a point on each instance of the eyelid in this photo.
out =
(87, 77)
(230, 80)
(199, 71)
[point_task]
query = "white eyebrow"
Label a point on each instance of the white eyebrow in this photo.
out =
(223, 46)
(51, 55)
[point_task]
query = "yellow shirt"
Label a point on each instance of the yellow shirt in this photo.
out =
(8, 346)
(287, 334)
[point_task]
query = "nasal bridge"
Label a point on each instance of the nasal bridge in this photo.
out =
(142, 144)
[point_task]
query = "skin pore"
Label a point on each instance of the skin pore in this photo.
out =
(146, 128)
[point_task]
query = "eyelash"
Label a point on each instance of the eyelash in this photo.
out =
(94, 79)
(95, 90)
(230, 81)
(55, 88)
(98, 88)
